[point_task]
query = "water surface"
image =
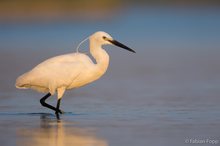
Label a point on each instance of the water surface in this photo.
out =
(165, 94)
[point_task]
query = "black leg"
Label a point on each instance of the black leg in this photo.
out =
(43, 103)
(57, 115)
(58, 109)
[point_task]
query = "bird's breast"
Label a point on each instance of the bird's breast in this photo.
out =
(86, 76)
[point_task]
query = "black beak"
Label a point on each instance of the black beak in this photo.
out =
(121, 45)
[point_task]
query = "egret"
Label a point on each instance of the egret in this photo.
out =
(69, 71)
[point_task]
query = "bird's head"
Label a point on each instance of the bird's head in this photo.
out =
(104, 38)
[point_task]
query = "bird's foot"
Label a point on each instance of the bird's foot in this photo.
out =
(58, 111)
(61, 112)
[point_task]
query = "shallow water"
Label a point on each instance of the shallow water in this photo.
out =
(165, 94)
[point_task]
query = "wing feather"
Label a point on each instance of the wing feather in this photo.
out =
(51, 74)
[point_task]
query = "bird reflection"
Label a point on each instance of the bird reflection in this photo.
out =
(57, 133)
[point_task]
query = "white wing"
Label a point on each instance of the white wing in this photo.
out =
(53, 73)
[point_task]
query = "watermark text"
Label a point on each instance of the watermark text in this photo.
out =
(201, 141)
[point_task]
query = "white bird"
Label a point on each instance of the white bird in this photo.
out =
(69, 71)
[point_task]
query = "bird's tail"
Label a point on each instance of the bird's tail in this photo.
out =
(21, 82)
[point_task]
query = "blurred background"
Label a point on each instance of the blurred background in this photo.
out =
(168, 91)
(175, 39)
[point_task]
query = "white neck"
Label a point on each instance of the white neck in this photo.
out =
(100, 55)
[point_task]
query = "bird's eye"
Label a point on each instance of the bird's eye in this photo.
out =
(104, 37)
